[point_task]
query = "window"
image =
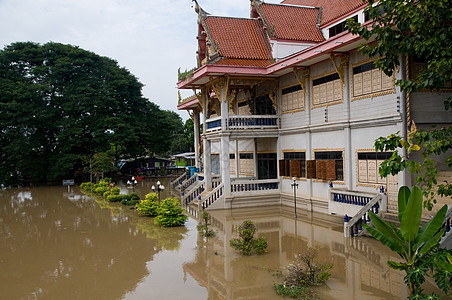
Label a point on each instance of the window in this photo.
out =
(368, 80)
(326, 90)
(336, 29)
(368, 165)
(293, 164)
(266, 163)
(246, 164)
(292, 98)
(243, 108)
(417, 65)
(328, 165)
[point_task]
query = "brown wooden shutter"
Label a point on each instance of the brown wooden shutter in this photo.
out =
(295, 168)
(287, 167)
(310, 169)
(282, 167)
(320, 169)
(331, 170)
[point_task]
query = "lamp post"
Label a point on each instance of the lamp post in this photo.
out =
(132, 183)
(295, 187)
(160, 187)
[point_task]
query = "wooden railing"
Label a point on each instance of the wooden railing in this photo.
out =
(353, 226)
(240, 186)
(213, 196)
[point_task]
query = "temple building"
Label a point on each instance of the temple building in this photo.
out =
(290, 111)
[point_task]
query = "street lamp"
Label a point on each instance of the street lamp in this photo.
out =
(295, 187)
(160, 187)
(132, 183)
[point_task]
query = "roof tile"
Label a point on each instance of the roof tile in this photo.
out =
(293, 23)
(239, 38)
(332, 9)
(244, 62)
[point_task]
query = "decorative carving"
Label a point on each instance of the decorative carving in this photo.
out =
(232, 99)
(180, 98)
(272, 94)
(218, 85)
(303, 79)
(340, 69)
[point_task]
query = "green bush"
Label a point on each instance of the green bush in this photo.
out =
(101, 190)
(116, 198)
(129, 202)
(170, 213)
(87, 186)
(115, 190)
(246, 244)
(134, 196)
(149, 206)
(106, 194)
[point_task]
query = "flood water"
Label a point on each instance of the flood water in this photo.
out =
(56, 244)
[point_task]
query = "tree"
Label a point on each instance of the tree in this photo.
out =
(60, 103)
(419, 249)
(422, 29)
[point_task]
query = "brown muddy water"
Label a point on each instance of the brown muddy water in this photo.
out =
(56, 244)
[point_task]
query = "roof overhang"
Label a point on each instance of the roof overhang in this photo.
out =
(340, 44)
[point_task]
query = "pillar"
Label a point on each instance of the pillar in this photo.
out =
(196, 136)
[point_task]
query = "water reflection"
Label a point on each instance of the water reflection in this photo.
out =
(60, 245)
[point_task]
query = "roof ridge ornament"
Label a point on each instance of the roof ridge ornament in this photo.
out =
(198, 9)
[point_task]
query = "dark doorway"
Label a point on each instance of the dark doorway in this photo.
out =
(266, 165)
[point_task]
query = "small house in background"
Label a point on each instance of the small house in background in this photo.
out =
(183, 159)
(149, 166)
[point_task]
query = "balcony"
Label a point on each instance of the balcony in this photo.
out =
(245, 122)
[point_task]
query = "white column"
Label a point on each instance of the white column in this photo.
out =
(224, 138)
(237, 159)
(348, 159)
(207, 164)
(196, 134)
(256, 174)
(308, 138)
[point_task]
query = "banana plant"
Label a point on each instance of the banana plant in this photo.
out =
(418, 247)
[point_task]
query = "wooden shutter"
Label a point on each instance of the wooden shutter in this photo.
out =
(367, 82)
(329, 91)
(372, 171)
(320, 169)
(357, 84)
(310, 169)
(376, 80)
(316, 95)
(295, 168)
(337, 89)
(362, 171)
(282, 167)
(331, 169)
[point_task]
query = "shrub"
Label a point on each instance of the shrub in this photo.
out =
(115, 198)
(170, 213)
(106, 194)
(301, 275)
(204, 227)
(101, 190)
(246, 244)
(149, 206)
(134, 196)
(115, 190)
(130, 202)
(87, 186)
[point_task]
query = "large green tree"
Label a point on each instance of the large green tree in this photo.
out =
(420, 29)
(59, 103)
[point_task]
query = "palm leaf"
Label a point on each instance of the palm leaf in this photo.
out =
(388, 232)
(404, 194)
(432, 242)
(411, 216)
(385, 240)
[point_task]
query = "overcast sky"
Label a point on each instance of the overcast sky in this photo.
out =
(150, 38)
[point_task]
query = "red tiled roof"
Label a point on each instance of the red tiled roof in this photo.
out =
(244, 62)
(239, 38)
(293, 23)
(332, 9)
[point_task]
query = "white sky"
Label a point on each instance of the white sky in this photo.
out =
(150, 38)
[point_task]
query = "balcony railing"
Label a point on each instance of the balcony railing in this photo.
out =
(241, 186)
(244, 122)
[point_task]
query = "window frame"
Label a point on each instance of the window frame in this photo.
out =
(335, 81)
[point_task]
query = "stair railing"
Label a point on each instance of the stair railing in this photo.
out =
(213, 196)
(197, 190)
(446, 224)
(179, 180)
(353, 226)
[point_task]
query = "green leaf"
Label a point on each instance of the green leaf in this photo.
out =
(411, 217)
(404, 194)
(431, 227)
(385, 234)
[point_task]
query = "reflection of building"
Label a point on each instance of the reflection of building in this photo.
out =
(285, 94)
(359, 265)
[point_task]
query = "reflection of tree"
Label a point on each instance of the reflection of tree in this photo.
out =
(58, 248)
(167, 238)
